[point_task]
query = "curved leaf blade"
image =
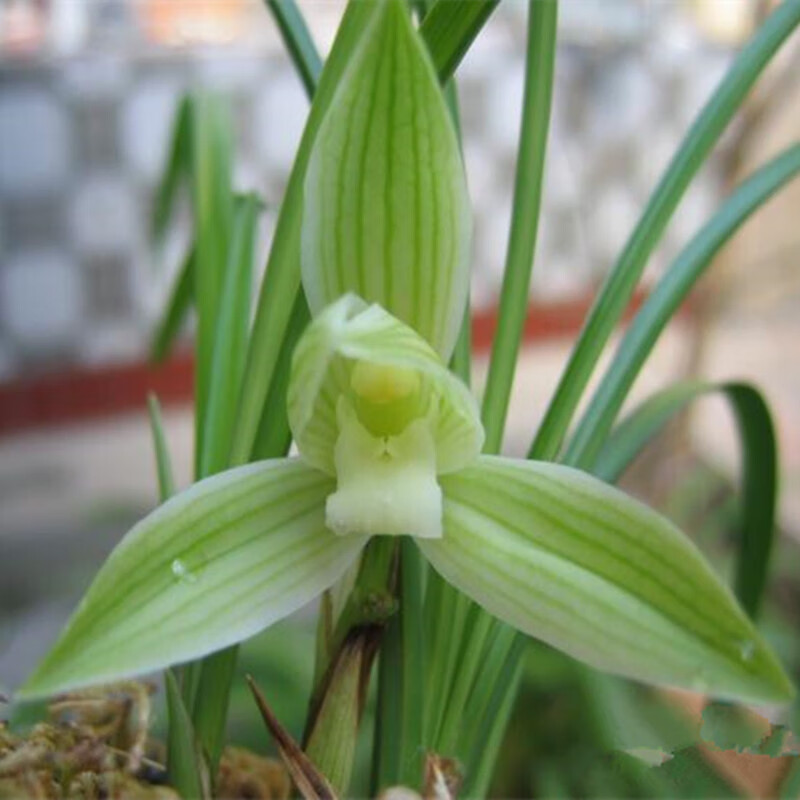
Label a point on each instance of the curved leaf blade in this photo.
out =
(176, 310)
(209, 568)
(539, 71)
(450, 28)
(578, 564)
(622, 280)
(230, 341)
(298, 41)
(759, 469)
(176, 169)
(665, 299)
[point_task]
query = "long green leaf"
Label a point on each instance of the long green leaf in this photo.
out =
(185, 768)
(568, 559)
(539, 66)
(213, 211)
(274, 436)
(166, 484)
(211, 567)
(759, 469)
(185, 765)
(449, 29)
(400, 685)
(214, 216)
(173, 316)
(488, 739)
(298, 41)
(230, 340)
(621, 281)
(177, 169)
(282, 276)
(665, 300)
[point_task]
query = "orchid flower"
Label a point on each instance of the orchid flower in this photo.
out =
(389, 444)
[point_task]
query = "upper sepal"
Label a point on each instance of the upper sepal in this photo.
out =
(386, 212)
(572, 561)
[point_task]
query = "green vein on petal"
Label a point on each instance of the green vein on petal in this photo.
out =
(572, 561)
(211, 567)
(386, 211)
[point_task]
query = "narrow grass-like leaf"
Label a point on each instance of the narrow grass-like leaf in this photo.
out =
(298, 41)
(400, 682)
(449, 29)
(213, 677)
(282, 275)
(213, 211)
(214, 215)
(665, 300)
(446, 613)
(178, 305)
(479, 632)
(565, 558)
(497, 712)
(759, 469)
(184, 761)
(645, 422)
(621, 281)
(211, 567)
(177, 169)
(230, 340)
(274, 435)
(539, 65)
(186, 767)
(386, 212)
(166, 484)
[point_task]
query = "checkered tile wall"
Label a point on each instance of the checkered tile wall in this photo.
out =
(82, 140)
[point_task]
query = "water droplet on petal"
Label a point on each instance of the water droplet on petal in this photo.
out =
(747, 650)
(182, 572)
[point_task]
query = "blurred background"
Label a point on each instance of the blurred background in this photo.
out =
(88, 91)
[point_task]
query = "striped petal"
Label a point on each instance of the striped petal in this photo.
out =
(386, 211)
(350, 332)
(565, 558)
(209, 568)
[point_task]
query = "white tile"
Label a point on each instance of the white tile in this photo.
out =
(504, 105)
(103, 215)
(96, 75)
(112, 342)
(279, 119)
(40, 297)
(34, 143)
(146, 123)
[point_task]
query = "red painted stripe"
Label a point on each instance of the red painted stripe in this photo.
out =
(81, 394)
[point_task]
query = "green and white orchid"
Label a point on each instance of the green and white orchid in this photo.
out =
(389, 444)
